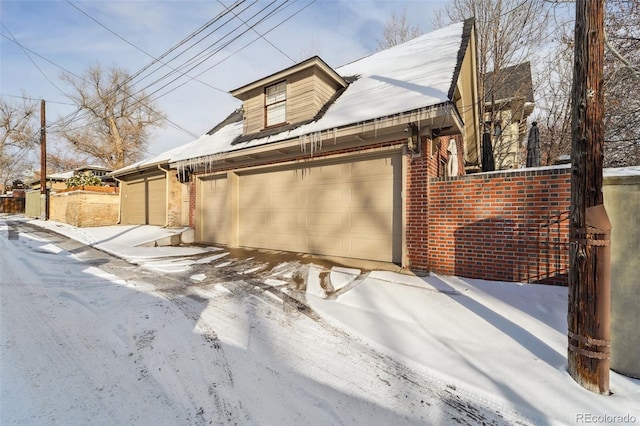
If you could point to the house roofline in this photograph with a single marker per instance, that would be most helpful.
(353, 130)
(467, 31)
(125, 172)
(279, 75)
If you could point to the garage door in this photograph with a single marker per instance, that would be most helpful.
(350, 208)
(144, 201)
(212, 210)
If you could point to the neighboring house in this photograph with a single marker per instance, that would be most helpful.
(36, 207)
(324, 161)
(54, 181)
(58, 181)
(508, 101)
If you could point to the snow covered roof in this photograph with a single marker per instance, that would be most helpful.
(621, 171)
(410, 77)
(61, 176)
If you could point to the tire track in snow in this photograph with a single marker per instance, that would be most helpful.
(114, 324)
(226, 409)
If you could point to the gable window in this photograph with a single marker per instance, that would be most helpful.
(275, 104)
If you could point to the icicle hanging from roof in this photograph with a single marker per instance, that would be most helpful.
(302, 143)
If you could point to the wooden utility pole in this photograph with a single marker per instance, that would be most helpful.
(43, 158)
(589, 228)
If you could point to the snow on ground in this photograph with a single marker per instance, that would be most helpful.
(503, 344)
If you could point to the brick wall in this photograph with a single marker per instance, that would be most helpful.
(504, 226)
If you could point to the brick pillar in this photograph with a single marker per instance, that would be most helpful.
(417, 208)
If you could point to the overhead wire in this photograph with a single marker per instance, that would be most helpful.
(128, 42)
(261, 35)
(29, 57)
(31, 99)
(66, 121)
(73, 116)
(198, 56)
(256, 39)
(194, 61)
(192, 64)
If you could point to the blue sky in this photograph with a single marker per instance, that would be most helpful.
(338, 31)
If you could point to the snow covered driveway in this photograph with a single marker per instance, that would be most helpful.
(89, 339)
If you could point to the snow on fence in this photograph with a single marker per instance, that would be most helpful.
(105, 189)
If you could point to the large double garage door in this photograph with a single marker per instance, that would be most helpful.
(349, 207)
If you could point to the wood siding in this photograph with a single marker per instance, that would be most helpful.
(308, 91)
(254, 112)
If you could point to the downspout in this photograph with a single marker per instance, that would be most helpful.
(120, 205)
(167, 195)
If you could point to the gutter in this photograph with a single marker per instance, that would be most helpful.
(119, 222)
(371, 126)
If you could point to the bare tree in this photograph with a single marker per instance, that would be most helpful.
(18, 136)
(622, 83)
(114, 121)
(553, 94)
(509, 32)
(398, 30)
(60, 159)
(309, 50)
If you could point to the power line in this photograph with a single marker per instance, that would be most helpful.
(190, 61)
(131, 44)
(256, 39)
(197, 59)
(73, 116)
(261, 35)
(30, 59)
(217, 50)
(29, 98)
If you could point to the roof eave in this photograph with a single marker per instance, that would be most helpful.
(367, 132)
(280, 75)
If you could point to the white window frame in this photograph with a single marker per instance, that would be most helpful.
(275, 104)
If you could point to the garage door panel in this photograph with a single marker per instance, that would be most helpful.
(251, 196)
(349, 208)
(328, 245)
(255, 239)
(255, 219)
(372, 248)
(325, 222)
(212, 210)
(363, 223)
(364, 169)
(134, 209)
(288, 241)
(144, 201)
(286, 219)
(286, 198)
(325, 195)
(157, 201)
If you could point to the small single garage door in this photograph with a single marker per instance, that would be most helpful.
(144, 201)
(212, 210)
(346, 208)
